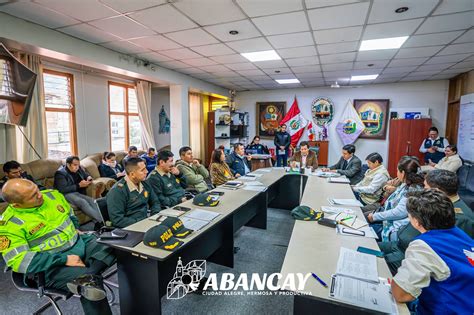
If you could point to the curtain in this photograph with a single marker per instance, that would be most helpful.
(13, 145)
(196, 125)
(35, 129)
(144, 112)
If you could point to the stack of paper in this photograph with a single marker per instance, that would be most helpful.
(357, 265)
(336, 210)
(339, 180)
(172, 212)
(345, 202)
(264, 170)
(232, 184)
(198, 218)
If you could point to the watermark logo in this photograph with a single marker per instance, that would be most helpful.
(186, 278)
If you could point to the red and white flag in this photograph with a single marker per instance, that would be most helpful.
(311, 132)
(295, 123)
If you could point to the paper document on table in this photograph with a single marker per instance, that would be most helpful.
(254, 183)
(365, 231)
(357, 265)
(339, 180)
(194, 224)
(247, 178)
(201, 214)
(369, 295)
(255, 188)
(326, 174)
(336, 210)
(345, 202)
(278, 168)
(264, 170)
(172, 212)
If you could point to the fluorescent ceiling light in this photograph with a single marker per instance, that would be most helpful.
(383, 43)
(288, 81)
(261, 55)
(364, 77)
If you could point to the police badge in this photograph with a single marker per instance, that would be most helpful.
(4, 242)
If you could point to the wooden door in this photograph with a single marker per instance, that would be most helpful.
(418, 133)
(398, 144)
(452, 122)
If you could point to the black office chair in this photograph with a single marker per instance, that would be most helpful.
(38, 286)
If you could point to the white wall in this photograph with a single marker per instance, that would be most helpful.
(159, 97)
(432, 94)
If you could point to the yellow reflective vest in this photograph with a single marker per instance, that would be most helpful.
(33, 240)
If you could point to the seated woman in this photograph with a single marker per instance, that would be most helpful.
(451, 162)
(255, 147)
(394, 214)
(220, 171)
(110, 168)
(370, 189)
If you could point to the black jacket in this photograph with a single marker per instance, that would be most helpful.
(236, 164)
(353, 170)
(107, 171)
(65, 183)
(282, 139)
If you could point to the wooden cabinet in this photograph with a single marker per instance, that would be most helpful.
(323, 151)
(405, 138)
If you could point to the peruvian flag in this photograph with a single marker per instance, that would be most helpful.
(295, 123)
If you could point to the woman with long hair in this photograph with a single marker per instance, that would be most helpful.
(394, 213)
(255, 147)
(220, 171)
(109, 166)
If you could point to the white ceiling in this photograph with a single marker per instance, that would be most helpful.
(318, 40)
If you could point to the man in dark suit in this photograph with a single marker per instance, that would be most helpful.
(348, 165)
(72, 181)
(305, 157)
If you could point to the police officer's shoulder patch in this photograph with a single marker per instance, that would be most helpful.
(4, 242)
(60, 208)
(36, 228)
(458, 210)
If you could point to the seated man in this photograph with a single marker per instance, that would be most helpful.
(305, 157)
(239, 163)
(370, 189)
(72, 181)
(150, 159)
(167, 181)
(39, 233)
(12, 169)
(348, 165)
(438, 268)
(195, 173)
(448, 183)
(132, 153)
(130, 198)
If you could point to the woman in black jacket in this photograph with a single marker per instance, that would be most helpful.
(110, 168)
(282, 142)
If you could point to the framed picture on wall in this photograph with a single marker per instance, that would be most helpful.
(269, 115)
(374, 115)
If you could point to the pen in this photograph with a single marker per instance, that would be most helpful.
(319, 280)
(348, 218)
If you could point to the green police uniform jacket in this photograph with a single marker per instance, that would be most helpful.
(126, 207)
(169, 188)
(36, 239)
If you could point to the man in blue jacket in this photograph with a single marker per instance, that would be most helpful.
(239, 163)
(438, 268)
(72, 181)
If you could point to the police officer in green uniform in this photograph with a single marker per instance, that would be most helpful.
(129, 200)
(38, 233)
(167, 181)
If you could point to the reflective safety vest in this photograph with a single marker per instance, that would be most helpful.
(25, 232)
